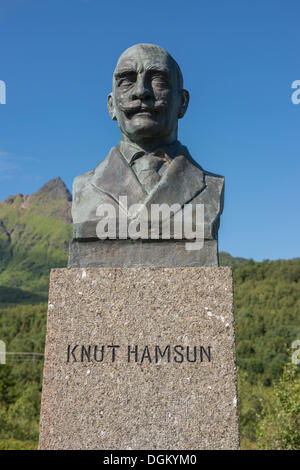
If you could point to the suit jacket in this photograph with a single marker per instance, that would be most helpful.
(183, 182)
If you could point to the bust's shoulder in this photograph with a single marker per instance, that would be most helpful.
(214, 178)
(207, 174)
(215, 185)
(81, 181)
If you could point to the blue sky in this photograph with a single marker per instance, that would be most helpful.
(239, 59)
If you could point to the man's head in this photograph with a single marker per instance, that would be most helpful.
(147, 98)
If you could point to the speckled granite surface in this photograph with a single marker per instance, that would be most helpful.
(140, 358)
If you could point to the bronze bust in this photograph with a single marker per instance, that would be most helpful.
(149, 165)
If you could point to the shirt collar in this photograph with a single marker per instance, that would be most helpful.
(129, 150)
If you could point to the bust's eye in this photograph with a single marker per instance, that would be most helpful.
(160, 80)
(126, 80)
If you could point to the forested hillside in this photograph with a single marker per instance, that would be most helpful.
(267, 318)
(34, 235)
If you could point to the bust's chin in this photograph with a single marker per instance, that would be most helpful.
(143, 130)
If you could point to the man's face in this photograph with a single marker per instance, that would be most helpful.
(146, 96)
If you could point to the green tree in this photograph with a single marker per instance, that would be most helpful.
(7, 385)
(279, 426)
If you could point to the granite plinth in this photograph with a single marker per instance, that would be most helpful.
(140, 358)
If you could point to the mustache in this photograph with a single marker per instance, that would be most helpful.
(138, 106)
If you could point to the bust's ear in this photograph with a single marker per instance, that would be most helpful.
(111, 107)
(185, 98)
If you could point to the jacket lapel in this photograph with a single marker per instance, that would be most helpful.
(181, 182)
(115, 178)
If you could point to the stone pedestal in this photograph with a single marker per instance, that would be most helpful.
(147, 253)
(140, 358)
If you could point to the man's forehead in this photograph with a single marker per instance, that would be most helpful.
(148, 58)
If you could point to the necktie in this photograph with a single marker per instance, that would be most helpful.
(149, 168)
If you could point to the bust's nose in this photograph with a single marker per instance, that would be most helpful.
(141, 89)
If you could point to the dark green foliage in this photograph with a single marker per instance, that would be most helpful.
(8, 392)
(22, 328)
(13, 295)
(267, 312)
(250, 397)
(279, 421)
(14, 444)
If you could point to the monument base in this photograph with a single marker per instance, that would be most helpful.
(140, 358)
(149, 253)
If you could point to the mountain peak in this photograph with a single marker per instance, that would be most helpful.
(54, 189)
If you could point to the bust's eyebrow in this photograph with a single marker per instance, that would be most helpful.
(121, 72)
(157, 68)
(163, 71)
